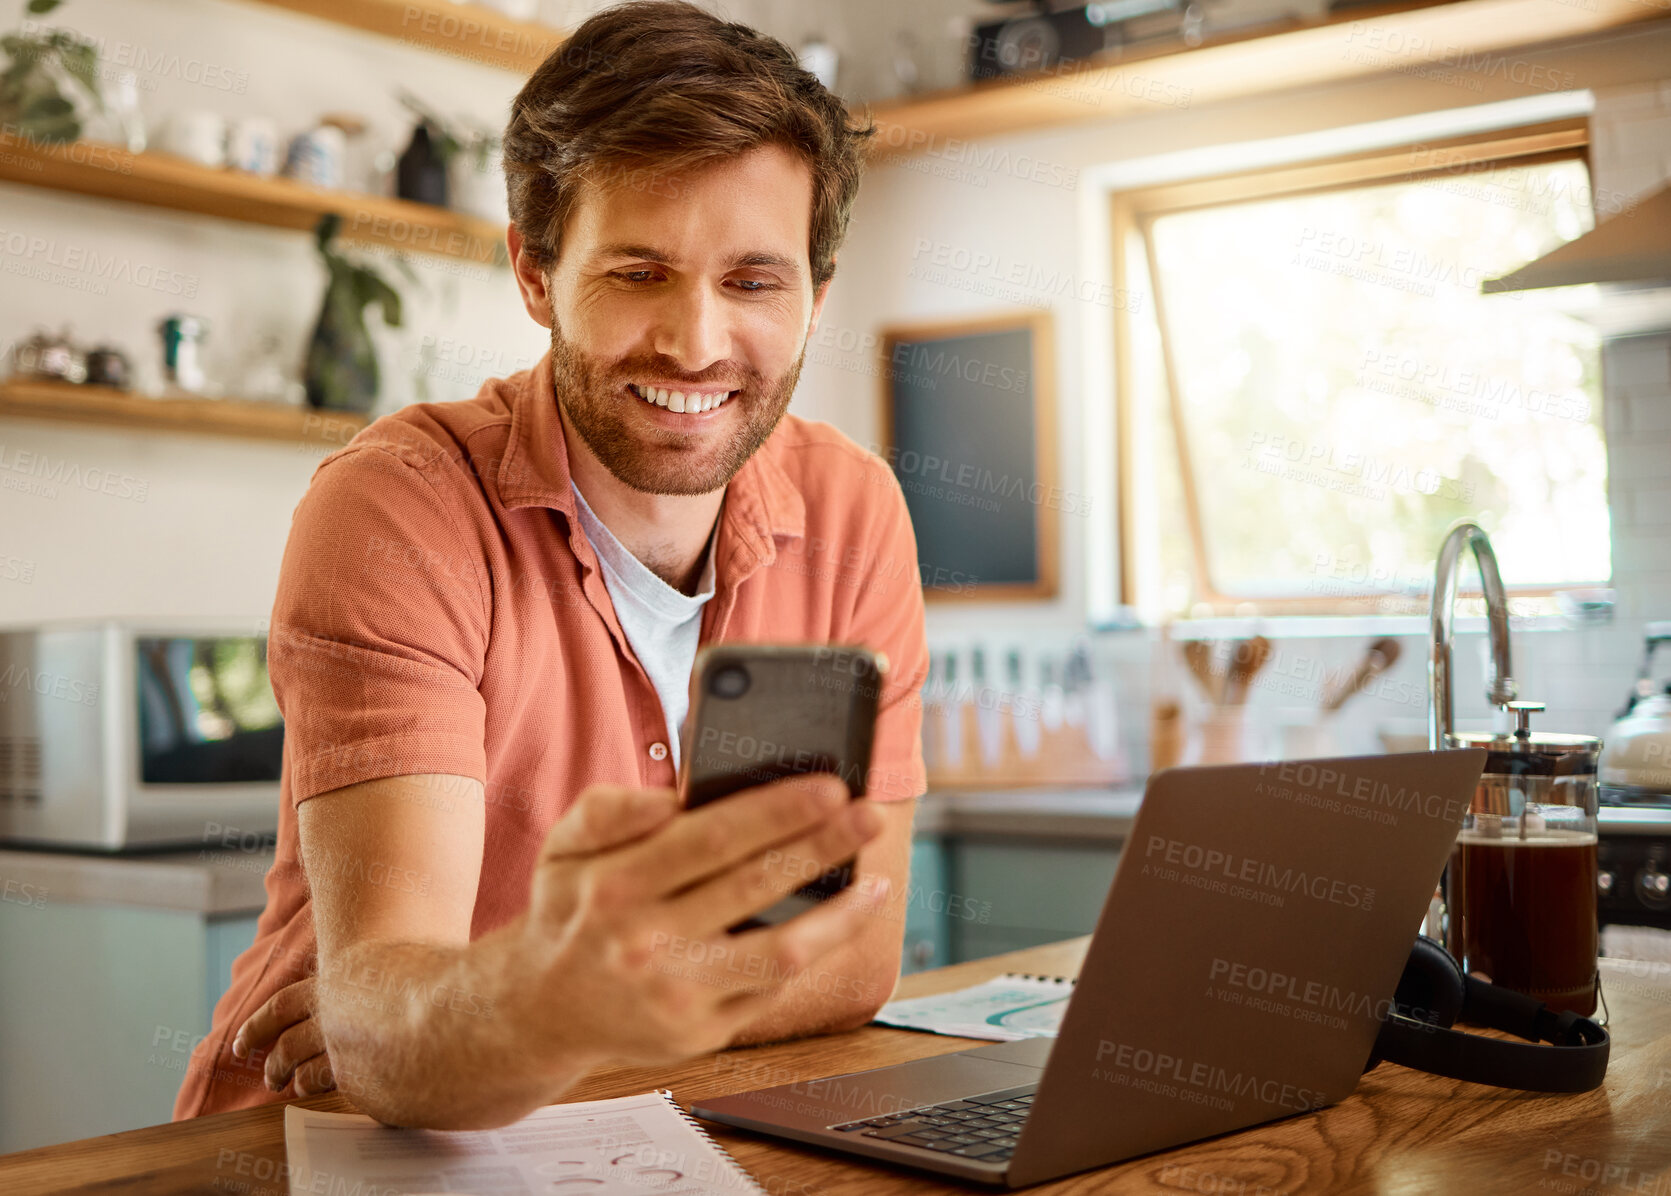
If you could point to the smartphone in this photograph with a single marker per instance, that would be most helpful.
(761, 712)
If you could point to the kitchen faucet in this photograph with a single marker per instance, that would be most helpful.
(1500, 682)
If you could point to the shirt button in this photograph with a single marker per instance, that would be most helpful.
(658, 751)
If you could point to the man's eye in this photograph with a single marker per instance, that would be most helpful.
(753, 286)
(634, 275)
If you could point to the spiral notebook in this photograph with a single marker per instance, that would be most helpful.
(630, 1144)
(1011, 1007)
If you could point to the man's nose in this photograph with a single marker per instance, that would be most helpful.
(694, 329)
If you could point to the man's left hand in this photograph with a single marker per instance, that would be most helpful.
(285, 1029)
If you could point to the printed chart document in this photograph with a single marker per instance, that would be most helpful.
(1012, 1007)
(628, 1146)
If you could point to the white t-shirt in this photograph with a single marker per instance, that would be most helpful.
(662, 624)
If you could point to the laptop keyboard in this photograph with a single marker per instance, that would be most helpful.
(976, 1127)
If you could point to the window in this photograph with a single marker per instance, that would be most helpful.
(1318, 388)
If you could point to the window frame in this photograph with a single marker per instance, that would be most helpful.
(1132, 215)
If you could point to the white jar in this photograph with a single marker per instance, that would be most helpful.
(252, 146)
(197, 135)
(478, 192)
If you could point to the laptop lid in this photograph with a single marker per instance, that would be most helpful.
(1258, 922)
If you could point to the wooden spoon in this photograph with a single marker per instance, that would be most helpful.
(1380, 656)
(1198, 654)
(1249, 657)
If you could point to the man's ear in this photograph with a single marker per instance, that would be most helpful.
(531, 278)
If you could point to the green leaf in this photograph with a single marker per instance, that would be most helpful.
(48, 107)
(325, 232)
(41, 7)
(50, 130)
(369, 288)
(82, 62)
(391, 307)
(25, 54)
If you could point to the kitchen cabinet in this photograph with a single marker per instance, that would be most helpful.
(927, 939)
(1018, 894)
(1009, 870)
(107, 982)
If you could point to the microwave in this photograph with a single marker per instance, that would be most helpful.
(122, 735)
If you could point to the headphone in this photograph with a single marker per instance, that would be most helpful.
(1434, 994)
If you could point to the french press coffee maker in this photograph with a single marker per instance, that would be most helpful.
(1520, 890)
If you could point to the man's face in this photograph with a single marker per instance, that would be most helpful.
(698, 284)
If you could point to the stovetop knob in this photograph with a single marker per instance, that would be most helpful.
(1653, 887)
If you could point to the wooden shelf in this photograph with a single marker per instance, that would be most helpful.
(221, 417)
(1455, 38)
(164, 181)
(463, 30)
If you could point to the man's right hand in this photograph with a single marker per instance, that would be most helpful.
(621, 956)
(626, 929)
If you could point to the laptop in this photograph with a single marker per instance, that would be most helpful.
(1257, 925)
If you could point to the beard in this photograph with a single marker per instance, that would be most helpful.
(594, 396)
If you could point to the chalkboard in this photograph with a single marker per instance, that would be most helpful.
(969, 428)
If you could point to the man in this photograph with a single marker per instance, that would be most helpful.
(485, 620)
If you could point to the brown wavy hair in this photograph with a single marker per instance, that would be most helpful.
(649, 88)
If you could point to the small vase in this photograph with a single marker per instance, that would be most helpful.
(421, 175)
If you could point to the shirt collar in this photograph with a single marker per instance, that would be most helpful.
(761, 503)
(645, 585)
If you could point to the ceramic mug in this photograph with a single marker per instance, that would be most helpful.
(318, 157)
(252, 146)
(197, 135)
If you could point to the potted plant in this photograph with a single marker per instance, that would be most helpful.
(341, 372)
(43, 65)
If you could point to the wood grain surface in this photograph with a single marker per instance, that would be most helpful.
(159, 180)
(65, 401)
(1464, 37)
(1400, 1134)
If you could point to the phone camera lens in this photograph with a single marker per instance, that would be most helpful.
(729, 682)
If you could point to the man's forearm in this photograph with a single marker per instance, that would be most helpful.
(425, 1035)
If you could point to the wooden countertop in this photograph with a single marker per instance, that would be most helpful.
(1106, 815)
(204, 881)
(1401, 1132)
(1082, 815)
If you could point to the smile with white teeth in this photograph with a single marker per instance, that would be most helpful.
(678, 400)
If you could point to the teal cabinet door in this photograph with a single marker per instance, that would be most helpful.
(100, 1009)
(1017, 894)
(926, 941)
(229, 937)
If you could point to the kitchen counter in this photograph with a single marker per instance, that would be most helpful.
(1107, 814)
(202, 881)
(1400, 1131)
(1082, 815)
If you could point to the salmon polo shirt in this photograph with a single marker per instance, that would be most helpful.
(440, 610)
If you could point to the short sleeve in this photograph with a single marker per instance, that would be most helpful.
(888, 618)
(379, 629)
